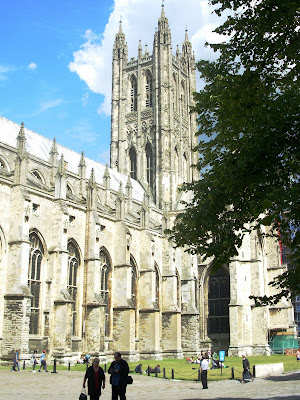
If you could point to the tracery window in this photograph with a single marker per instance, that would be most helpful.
(178, 288)
(133, 281)
(149, 165)
(105, 287)
(148, 89)
(183, 99)
(133, 167)
(218, 302)
(157, 285)
(174, 90)
(34, 281)
(133, 94)
(38, 176)
(73, 264)
(3, 164)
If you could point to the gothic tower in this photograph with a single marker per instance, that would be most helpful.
(152, 130)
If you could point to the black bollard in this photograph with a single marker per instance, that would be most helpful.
(24, 364)
(199, 374)
(105, 367)
(54, 367)
(232, 373)
(69, 366)
(164, 372)
(172, 373)
(148, 370)
(253, 371)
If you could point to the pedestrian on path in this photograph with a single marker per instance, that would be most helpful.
(247, 376)
(33, 361)
(204, 368)
(43, 362)
(96, 379)
(119, 372)
(16, 361)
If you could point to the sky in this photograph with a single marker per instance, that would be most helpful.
(56, 57)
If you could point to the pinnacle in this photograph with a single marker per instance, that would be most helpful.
(54, 147)
(106, 172)
(82, 160)
(21, 134)
(186, 39)
(92, 180)
(120, 25)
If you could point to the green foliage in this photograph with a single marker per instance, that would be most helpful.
(248, 116)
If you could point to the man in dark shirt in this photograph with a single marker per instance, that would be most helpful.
(119, 371)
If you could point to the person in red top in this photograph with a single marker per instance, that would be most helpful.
(96, 380)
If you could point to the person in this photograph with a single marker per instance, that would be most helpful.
(43, 362)
(298, 355)
(16, 361)
(138, 369)
(209, 356)
(204, 368)
(33, 361)
(246, 370)
(119, 372)
(96, 379)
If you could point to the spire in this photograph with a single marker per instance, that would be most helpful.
(106, 172)
(120, 25)
(92, 180)
(54, 147)
(21, 141)
(163, 15)
(186, 39)
(82, 162)
(106, 178)
(61, 166)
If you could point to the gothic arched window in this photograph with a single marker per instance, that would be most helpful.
(133, 94)
(178, 288)
(149, 165)
(38, 176)
(148, 89)
(73, 265)
(183, 99)
(157, 285)
(105, 287)
(174, 90)
(218, 301)
(185, 171)
(133, 287)
(34, 281)
(176, 165)
(133, 167)
(4, 164)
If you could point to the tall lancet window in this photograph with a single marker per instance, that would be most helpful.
(74, 261)
(149, 165)
(148, 89)
(133, 94)
(174, 91)
(34, 281)
(157, 285)
(176, 165)
(183, 99)
(133, 164)
(106, 287)
(184, 168)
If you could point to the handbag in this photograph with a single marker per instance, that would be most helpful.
(83, 395)
(129, 380)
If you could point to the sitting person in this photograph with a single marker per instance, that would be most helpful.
(153, 370)
(138, 369)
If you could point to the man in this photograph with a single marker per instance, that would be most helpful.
(119, 371)
(138, 369)
(204, 368)
(43, 362)
(96, 379)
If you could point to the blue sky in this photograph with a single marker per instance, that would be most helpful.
(55, 64)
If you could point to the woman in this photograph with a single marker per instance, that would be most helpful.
(43, 362)
(246, 372)
(96, 378)
(33, 361)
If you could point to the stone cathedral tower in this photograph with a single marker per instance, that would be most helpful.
(152, 130)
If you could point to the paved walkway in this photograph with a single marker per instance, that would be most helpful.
(66, 385)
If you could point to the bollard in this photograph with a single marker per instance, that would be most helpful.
(199, 374)
(253, 371)
(69, 366)
(156, 372)
(148, 370)
(24, 364)
(105, 367)
(172, 373)
(232, 373)
(54, 367)
(164, 372)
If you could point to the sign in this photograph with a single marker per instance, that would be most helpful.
(222, 356)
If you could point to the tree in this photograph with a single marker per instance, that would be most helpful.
(248, 116)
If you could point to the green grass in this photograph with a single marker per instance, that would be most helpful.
(185, 371)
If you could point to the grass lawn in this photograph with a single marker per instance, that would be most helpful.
(185, 371)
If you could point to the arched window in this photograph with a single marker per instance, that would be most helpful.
(133, 287)
(157, 285)
(148, 89)
(105, 287)
(132, 158)
(34, 281)
(183, 99)
(178, 288)
(70, 189)
(218, 301)
(184, 168)
(133, 94)
(73, 264)
(176, 165)
(38, 176)
(174, 90)
(149, 165)
(3, 164)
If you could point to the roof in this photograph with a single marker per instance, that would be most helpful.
(40, 146)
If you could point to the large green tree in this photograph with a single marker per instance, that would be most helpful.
(248, 116)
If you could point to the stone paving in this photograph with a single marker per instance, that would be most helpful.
(66, 385)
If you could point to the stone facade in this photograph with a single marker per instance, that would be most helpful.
(84, 262)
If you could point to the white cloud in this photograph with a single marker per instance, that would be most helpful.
(46, 105)
(4, 71)
(92, 62)
(32, 66)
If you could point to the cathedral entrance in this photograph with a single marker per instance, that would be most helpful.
(218, 309)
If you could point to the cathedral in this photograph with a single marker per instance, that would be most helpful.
(85, 264)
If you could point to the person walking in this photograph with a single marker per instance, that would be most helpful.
(96, 379)
(43, 362)
(16, 361)
(204, 368)
(33, 361)
(247, 376)
(119, 372)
